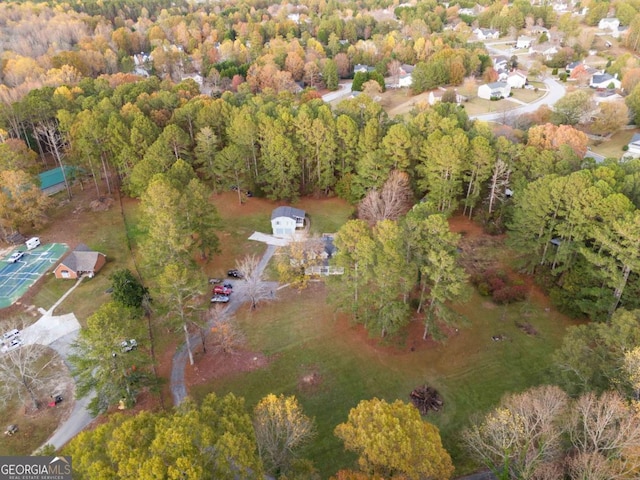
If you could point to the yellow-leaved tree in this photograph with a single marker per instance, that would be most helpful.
(393, 440)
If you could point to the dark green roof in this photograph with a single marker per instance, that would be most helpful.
(54, 177)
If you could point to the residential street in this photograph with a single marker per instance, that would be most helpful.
(555, 91)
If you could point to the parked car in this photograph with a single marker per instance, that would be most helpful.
(222, 290)
(215, 281)
(128, 345)
(14, 343)
(15, 256)
(228, 285)
(220, 299)
(10, 334)
(235, 273)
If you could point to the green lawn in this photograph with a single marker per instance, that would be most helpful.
(526, 95)
(613, 147)
(301, 334)
(479, 106)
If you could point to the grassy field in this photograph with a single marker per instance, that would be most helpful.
(302, 334)
(613, 146)
(478, 106)
(526, 95)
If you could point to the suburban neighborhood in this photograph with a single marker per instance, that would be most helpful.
(367, 240)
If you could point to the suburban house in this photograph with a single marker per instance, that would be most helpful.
(538, 30)
(573, 65)
(546, 50)
(486, 33)
(360, 68)
(610, 23)
(633, 147)
(516, 79)
(435, 96)
(285, 220)
(604, 80)
(524, 42)
(405, 80)
(494, 90)
(500, 62)
(82, 261)
(52, 181)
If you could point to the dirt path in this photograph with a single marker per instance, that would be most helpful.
(177, 382)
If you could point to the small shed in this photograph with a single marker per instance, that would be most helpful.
(52, 181)
(285, 220)
(82, 261)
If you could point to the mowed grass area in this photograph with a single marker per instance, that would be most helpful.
(103, 231)
(302, 334)
(613, 147)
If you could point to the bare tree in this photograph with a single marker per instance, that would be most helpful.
(392, 201)
(226, 335)
(48, 131)
(254, 287)
(25, 371)
(395, 70)
(281, 428)
(521, 438)
(499, 183)
(605, 429)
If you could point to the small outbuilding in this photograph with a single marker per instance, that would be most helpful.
(82, 261)
(285, 220)
(494, 90)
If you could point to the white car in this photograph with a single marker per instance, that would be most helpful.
(11, 344)
(10, 334)
(128, 345)
(15, 256)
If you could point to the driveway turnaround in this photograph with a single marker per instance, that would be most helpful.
(16, 278)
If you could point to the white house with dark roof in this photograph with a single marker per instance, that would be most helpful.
(494, 90)
(604, 80)
(285, 220)
(486, 33)
(609, 23)
(500, 62)
(516, 79)
(633, 147)
(524, 42)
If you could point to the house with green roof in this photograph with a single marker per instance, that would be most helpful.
(52, 181)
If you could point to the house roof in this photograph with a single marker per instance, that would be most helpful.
(82, 259)
(287, 212)
(518, 74)
(603, 77)
(496, 85)
(53, 177)
(635, 138)
(573, 65)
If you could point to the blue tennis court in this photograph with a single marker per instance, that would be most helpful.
(16, 278)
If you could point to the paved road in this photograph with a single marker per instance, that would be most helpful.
(345, 90)
(178, 389)
(555, 91)
(79, 417)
